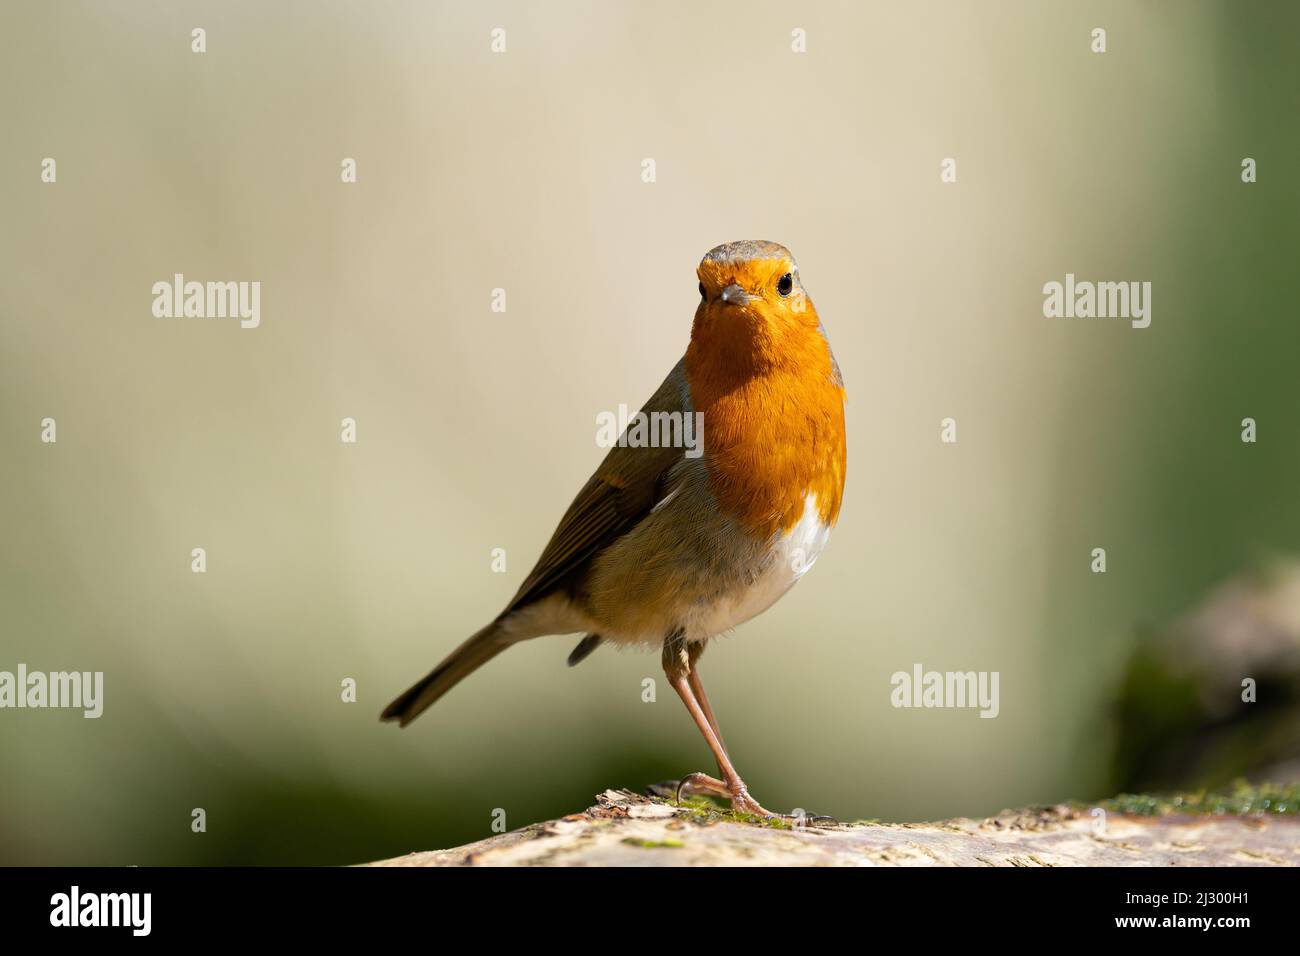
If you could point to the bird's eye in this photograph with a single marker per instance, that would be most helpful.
(702, 290)
(786, 284)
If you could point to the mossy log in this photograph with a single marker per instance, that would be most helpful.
(626, 829)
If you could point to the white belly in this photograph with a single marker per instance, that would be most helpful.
(792, 555)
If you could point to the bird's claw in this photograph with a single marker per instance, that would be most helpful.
(738, 797)
(703, 783)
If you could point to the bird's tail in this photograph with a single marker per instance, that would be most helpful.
(455, 667)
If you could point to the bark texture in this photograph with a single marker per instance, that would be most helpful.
(626, 829)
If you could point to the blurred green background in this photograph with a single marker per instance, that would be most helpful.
(522, 171)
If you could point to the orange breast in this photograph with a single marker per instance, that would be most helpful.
(773, 422)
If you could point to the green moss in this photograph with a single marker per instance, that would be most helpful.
(1241, 799)
(704, 810)
(654, 844)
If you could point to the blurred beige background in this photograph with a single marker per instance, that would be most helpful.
(522, 171)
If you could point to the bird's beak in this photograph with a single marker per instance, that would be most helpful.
(735, 295)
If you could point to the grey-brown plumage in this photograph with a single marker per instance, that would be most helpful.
(624, 489)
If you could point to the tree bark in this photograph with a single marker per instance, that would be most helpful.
(626, 829)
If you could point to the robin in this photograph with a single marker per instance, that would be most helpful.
(668, 549)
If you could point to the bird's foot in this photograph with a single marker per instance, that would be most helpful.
(738, 795)
(742, 802)
(701, 783)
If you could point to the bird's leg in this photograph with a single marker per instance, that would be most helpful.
(677, 660)
(697, 688)
(702, 781)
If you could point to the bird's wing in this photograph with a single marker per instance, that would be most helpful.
(626, 486)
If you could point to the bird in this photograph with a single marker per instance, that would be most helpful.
(665, 548)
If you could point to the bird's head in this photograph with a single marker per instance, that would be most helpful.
(753, 311)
